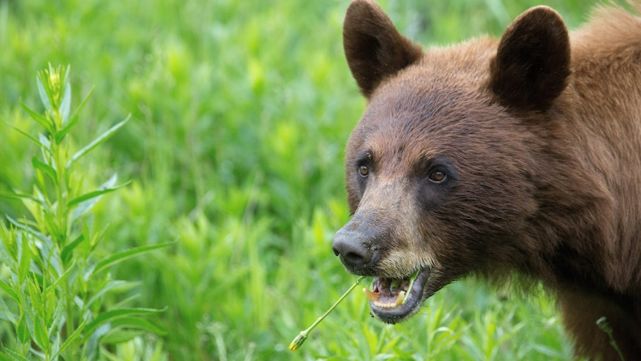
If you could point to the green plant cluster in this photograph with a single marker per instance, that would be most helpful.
(54, 282)
(234, 151)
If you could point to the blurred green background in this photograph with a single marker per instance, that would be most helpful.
(240, 112)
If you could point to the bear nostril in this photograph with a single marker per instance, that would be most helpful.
(351, 249)
(354, 258)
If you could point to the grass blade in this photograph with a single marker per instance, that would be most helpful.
(114, 285)
(112, 315)
(139, 324)
(86, 205)
(96, 142)
(121, 256)
(87, 196)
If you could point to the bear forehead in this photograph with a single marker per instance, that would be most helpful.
(447, 85)
(407, 124)
(424, 106)
(440, 105)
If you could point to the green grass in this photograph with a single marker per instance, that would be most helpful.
(239, 114)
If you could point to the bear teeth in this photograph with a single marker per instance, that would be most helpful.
(387, 292)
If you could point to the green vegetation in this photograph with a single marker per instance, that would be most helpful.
(55, 287)
(239, 114)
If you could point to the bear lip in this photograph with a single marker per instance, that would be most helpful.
(393, 313)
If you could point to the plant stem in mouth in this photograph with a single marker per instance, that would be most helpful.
(302, 336)
(409, 289)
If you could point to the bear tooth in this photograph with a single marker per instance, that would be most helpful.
(383, 305)
(400, 299)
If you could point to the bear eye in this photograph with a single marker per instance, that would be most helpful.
(363, 170)
(437, 176)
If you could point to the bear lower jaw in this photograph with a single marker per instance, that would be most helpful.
(393, 301)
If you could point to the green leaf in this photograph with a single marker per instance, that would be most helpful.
(139, 324)
(50, 253)
(123, 255)
(42, 120)
(40, 335)
(9, 291)
(62, 278)
(91, 345)
(71, 339)
(118, 336)
(28, 136)
(74, 119)
(45, 168)
(65, 104)
(24, 258)
(124, 329)
(18, 196)
(45, 142)
(10, 355)
(101, 139)
(36, 300)
(22, 331)
(44, 96)
(114, 285)
(7, 314)
(94, 194)
(112, 315)
(86, 205)
(67, 251)
(28, 229)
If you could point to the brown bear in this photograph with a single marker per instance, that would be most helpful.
(513, 156)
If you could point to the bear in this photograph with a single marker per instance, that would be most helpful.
(494, 157)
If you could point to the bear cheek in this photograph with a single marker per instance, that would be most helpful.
(429, 198)
(443, 236)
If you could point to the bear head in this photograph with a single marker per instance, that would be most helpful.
(443, 169)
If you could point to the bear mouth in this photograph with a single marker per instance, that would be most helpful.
(394, 299)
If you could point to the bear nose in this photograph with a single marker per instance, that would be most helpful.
(351, 249)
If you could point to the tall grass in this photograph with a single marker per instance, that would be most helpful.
(239, 114)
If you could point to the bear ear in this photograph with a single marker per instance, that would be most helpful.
(532, 64)
(373, 47)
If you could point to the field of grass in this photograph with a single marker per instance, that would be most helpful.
(239, 114)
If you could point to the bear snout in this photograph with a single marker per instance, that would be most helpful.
(353, 244)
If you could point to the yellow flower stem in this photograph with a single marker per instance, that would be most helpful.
(302, 336)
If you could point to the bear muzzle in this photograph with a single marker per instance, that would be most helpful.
(355, 243)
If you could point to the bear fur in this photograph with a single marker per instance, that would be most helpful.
(494, 156)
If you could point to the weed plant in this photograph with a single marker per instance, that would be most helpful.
(55, 280)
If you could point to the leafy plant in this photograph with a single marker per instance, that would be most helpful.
(53, 272)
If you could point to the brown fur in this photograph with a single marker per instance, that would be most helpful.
(542, 131)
